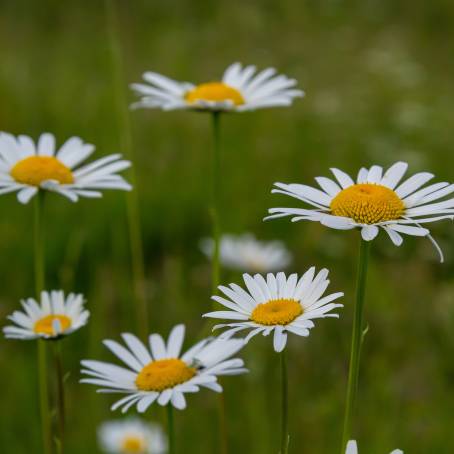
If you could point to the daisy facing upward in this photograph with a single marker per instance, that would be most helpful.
(26, 168)
(375, 201)
(161, 373)
(240, 89)
(277, 305)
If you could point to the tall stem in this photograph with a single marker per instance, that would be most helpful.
(133, 209)
(215, 263)
(60, 395)
(357, 334)
(39, 271)
(215, 201)
(285, 437)
(170, 429)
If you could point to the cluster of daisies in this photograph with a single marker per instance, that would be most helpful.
(268, 301)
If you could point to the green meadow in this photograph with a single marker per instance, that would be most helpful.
(379, 83)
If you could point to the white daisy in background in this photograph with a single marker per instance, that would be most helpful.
(246, 253)
(54, 317)
(239, 89)
(280, 304)
(376, 200)
(26, 167)
(132, 436)
(160, 374)
(352, 448)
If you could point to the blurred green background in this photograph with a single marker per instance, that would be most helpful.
(379, 80)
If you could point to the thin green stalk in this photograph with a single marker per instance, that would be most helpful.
(133, 210)
(60, 396)
(215, 201)
(170, 429)
(355, 351)
(39, 271)
(285, 437)
(215, 261)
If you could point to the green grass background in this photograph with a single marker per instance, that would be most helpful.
(379, 81)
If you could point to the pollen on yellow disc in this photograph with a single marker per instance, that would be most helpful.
(215, 92)
(36, 169)
(368, 204)
(45, 325)
(133, 445)
(163, 374)
(277, 312)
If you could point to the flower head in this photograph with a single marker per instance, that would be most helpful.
(246, 253)
(280, 304)
(55, 316)
(26, 167)
(376, 200)
(240, 89)
(161, 374)
(132, 436)
(352, 448)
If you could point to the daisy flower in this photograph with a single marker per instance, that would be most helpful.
(160, 373)
(26, 167)
(246, 253)
(278, 304)
(55, 316)
(377, 200)
(241, 88)
(132, 436)
(352, 448)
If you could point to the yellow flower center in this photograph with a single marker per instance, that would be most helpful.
(133, 445)
(163, 374)
(47, 324)
(277, 312)
(368, 204)
(36, 169)
(215, 92)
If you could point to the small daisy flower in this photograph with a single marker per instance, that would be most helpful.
(56, 316)
(246, 253)
(352, 448)
(132, 436)
(240, 89)
(375, 201)
(161, 374)
(26, 167)
(280, 304)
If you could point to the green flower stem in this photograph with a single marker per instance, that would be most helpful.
(355, 351)
(60, 395)
(215, 201)
(39, 271)
(285, 437)
(170, 429)
(215, 263)
(142, 303)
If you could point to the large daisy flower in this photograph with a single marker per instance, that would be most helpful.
(280, 304)
(55, 316)
(376, 200)
(239, 89)
(352, 448)
(246, 253)
(161, 374)
(132, 436)
(26, 167)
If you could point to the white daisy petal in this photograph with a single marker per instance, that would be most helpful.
(375, 201)
(163, 377)
(49, 318)
(240, 89)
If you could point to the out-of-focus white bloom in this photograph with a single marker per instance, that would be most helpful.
(239, 90)
(131, 436)
(246, 253)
